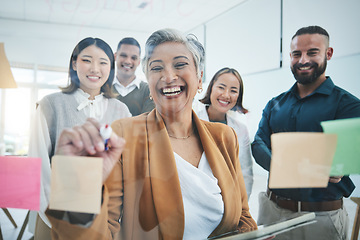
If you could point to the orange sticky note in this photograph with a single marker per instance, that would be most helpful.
(76, 184)
(20, 182)
(301, 159)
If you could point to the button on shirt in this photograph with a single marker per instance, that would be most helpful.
(290, 113)
(122, 90)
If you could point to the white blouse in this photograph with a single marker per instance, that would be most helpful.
(92, 108)
(202, 199)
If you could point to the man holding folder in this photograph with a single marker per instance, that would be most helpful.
(312, 99)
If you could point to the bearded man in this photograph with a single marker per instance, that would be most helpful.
(312, 99)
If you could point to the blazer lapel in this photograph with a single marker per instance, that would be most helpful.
(165, 185)
(222, 168)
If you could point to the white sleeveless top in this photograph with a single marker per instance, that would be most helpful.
(202, 199)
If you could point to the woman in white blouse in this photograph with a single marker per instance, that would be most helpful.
(89, 95)
(225, 94)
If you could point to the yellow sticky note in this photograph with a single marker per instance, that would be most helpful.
(301, 159)
(76, 184)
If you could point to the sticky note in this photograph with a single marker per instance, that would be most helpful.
(347, 155)
(301, 159)
(76, 184)
(20, 182)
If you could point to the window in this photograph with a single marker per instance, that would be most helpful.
(17, 120)
(18, 104)
(53, 78)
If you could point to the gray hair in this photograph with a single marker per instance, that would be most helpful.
(172, 35)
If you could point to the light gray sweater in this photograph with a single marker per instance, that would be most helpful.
(60, 111)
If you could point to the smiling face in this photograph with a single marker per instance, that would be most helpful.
(127, 60)
(172, 78)
(93, 69)
(309, 55)
(225, 93)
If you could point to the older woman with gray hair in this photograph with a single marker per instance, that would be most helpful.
(177, 177)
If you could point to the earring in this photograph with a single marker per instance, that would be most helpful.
(150, 97)
(200, 90)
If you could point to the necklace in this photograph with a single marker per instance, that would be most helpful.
(186, 137)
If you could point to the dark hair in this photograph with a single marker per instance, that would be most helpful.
(129, 41)
(312, 30)
(238, 105)
(73, 77)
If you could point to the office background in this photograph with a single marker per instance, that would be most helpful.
(252, 36)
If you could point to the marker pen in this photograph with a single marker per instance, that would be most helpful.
(105, 132)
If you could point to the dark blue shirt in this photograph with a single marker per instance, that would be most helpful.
(290, 113)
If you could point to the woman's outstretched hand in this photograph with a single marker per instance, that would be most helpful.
(86, 140)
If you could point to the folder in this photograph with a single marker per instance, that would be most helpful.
(266, 231)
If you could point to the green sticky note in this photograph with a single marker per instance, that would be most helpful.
(347, 155)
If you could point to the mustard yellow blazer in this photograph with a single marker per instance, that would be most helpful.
(142, 197)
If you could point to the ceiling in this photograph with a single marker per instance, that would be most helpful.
(130, 15)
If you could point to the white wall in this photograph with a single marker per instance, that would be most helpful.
(245, 38)
(52, 44)
(340, 18)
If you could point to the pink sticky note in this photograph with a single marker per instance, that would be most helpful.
(20, 182)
